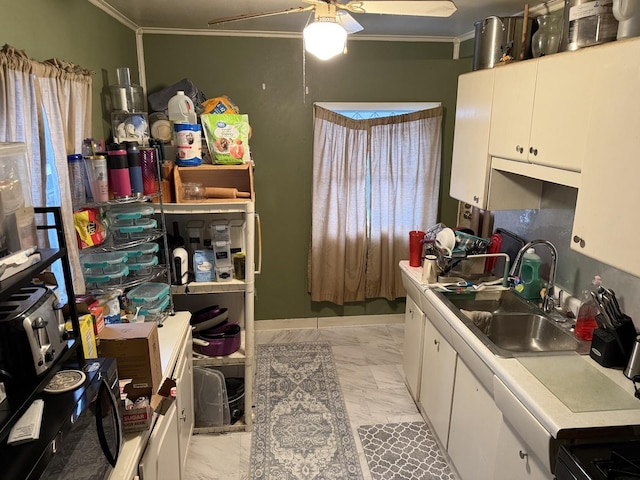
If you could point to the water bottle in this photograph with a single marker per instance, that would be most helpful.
(586, 322)
(76, 180)
(530, 276)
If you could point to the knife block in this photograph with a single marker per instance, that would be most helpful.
(612, 347)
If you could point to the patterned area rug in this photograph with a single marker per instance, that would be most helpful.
(403, 451)
(301, 431)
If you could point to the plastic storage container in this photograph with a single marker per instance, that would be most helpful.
(142, 265)
(15, 195)
(126, 96)
(586, 321)
(102, 260)
(142, 249)
(131, 212)
(148, 293)
(530, 276)
(210, 398)
(111, 276)
(124, 230)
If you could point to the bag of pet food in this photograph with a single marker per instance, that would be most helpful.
(227, 137)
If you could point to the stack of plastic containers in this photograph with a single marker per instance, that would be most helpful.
(132, 222)
(221, 243)
(105, 269)
(149, 299)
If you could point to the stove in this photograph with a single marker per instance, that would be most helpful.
(615, 461)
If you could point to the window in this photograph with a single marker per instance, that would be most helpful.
(374, 180)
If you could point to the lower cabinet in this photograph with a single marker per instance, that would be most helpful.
(515, 459)
(161, 459)
(436, 382)
(474, 429)
(184, 402)
(412, 356)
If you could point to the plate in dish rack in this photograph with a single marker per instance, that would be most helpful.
(65, 381)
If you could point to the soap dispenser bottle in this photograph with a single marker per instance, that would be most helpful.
(586, 322)
(530, 285)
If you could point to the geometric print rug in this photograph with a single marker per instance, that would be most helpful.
(403, 451)
(301, 430)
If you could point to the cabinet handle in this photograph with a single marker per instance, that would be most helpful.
(534, 151)
(523, 455)
(476, 198)
(437, 344)
(579, 240)
(519, 149)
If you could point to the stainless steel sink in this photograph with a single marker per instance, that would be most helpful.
(516, 326)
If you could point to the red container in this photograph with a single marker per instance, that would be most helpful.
(415, 247)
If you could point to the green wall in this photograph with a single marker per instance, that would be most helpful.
(74, 31)
(281, 118)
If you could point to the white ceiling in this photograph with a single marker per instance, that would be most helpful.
(194, 15)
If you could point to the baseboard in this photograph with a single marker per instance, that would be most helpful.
(326, 322)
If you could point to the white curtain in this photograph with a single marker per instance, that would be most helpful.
(373, 181)
(48, 106)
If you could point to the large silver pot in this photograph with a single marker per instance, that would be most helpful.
(494, 36)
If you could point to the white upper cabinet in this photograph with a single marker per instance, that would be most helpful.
(608, 195)
(470, 164)
(541, 107)
(512, 110)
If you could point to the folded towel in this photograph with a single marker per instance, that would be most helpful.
(480, 319)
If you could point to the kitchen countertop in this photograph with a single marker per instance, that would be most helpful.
(170, 335)
(526, 377)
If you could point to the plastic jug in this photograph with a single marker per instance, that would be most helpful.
(530, 275)
(181, 109)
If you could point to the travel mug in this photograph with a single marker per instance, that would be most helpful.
(415, 247)
(633, 367)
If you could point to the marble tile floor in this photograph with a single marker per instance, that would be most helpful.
(369, 363)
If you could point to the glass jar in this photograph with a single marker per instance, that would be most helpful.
(546, 39)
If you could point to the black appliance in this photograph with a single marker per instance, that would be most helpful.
(608, 461)
(32, 336)
(81, 432)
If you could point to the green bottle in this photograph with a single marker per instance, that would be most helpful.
(530, 275)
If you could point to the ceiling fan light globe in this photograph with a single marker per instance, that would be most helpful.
(325, 39)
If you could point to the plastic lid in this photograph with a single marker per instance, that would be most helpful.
(76, 157)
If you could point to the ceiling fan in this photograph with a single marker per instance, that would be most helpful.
(327, 35)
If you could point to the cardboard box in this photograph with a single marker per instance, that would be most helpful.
(223, 176)
(141, 417)
(87, 336)
(136, 348)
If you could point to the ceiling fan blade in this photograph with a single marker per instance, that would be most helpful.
(349, 23)
(417, 8)
(247, 16)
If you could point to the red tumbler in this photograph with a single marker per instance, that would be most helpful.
(415, 247)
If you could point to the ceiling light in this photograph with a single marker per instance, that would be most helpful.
(325, 38)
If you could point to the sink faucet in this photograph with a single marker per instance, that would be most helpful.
(549, 301)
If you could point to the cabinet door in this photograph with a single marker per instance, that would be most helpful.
(609, 195)
(160, 460)
(412, 355)
(514, 459)
(565, 93)
(470, 162)
(184, 402)
(513, 96)
(475, 424)
(436, 382)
